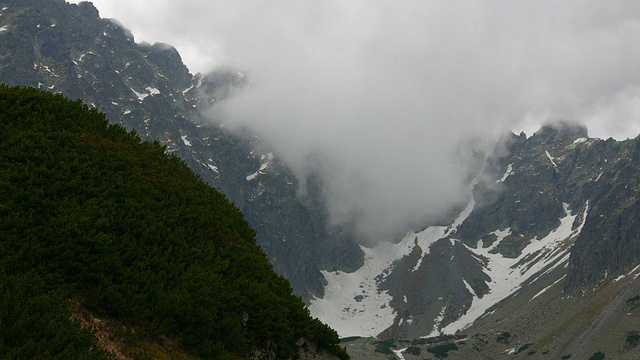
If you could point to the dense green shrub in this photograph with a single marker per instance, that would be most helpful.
(597, 356)
(384, 347)
(135, 235)
(633, 339)
(442, 351)
(503, 337)
(412, 350)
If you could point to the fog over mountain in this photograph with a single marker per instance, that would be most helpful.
(380, 98)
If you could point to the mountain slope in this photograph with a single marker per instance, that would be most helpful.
(556, 200)
(132, 235)
(67, 48)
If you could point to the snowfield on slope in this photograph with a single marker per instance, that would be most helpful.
(507, 275)
(353, 305)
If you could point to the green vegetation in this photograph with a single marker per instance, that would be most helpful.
(412, 350)
(597, 356)
(34, 322)
(385, 346)
(523, 348)
(90, 212)
(503, 338)
(350, 338)
(633, 339)
(442, 351)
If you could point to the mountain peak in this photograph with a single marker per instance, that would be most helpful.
(562, 129)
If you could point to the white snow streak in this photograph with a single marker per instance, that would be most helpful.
(619, 278)
(551, 158)
(508, 275)
(185, 91)
(139, 95)
(398, 353)
(599, 176)
(265, 161)
(634, 270)
(4, 28)
(425, 239)
(507, 173)
(547, 288)
(185, 141)
(214, 168)
(436, 323)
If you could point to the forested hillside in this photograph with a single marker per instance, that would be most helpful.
(69, 48)
(91, 215)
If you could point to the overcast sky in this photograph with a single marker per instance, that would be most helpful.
(378, 95)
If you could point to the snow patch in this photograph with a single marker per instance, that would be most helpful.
(507, 173)
(265, 161)
(214, 168)
(4, 28)
(551, 158)
(425, 239)
(633, 271)
(185, 91)
(139, 95)
(599, 176)
(547, 288)
(353, 305)
(152, 90)
(82, 56)
(185, 141)
(579, 140)
(507, 275)
(398, 353)
(500, 235)
(436, 324)
(510, 351)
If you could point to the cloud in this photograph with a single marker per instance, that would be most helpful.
(378, 96)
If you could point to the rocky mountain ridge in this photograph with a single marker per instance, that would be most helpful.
(546, 251)
(530, 212)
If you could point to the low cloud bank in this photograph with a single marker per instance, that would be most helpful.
(381, 97)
